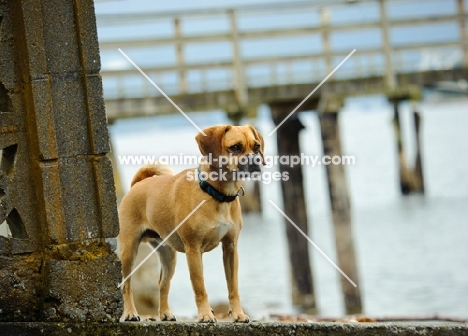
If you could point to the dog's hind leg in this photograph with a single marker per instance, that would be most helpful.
(167, 256)
(128, 250)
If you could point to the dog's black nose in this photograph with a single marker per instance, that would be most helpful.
(250, 164)
(254, 168)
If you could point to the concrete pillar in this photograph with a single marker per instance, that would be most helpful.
(58, 192)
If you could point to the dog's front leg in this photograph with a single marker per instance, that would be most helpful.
(194, 261)
(231, 264)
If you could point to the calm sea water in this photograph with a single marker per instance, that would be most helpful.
(412, 251)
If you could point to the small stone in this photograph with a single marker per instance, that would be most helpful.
(69, 330)
(51, 311)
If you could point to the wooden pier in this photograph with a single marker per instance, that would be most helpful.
(371, 70)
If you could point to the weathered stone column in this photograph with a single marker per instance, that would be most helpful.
(56, 185)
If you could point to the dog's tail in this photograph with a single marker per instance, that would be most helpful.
(149, 171)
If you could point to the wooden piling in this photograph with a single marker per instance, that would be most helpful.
(418, 167)
(251, 201)
(340, 204)
(295, 208)
(404, 172)
(411, 178)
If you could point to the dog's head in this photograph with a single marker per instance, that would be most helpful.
(238, 148)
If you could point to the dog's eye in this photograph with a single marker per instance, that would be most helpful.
(235, 148)
(256, 149)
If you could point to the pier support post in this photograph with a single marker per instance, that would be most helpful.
(403, 170)
(418, 167)
(252, 200)
(56, 185)
(340, 202)
(295, 208)
(411, 178)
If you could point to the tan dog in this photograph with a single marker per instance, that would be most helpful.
(159, 201)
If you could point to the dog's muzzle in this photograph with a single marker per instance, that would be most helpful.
(250, 164)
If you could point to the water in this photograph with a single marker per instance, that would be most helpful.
(411, 251)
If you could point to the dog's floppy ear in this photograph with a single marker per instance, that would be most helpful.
(259, 138)
(213, 141)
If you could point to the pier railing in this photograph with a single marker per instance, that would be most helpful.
(387, 43)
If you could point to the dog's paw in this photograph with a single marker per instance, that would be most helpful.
(130, 317)
(207, 317)
(240, 317)
(167, 316)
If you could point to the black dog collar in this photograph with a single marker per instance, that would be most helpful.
(217, 195)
